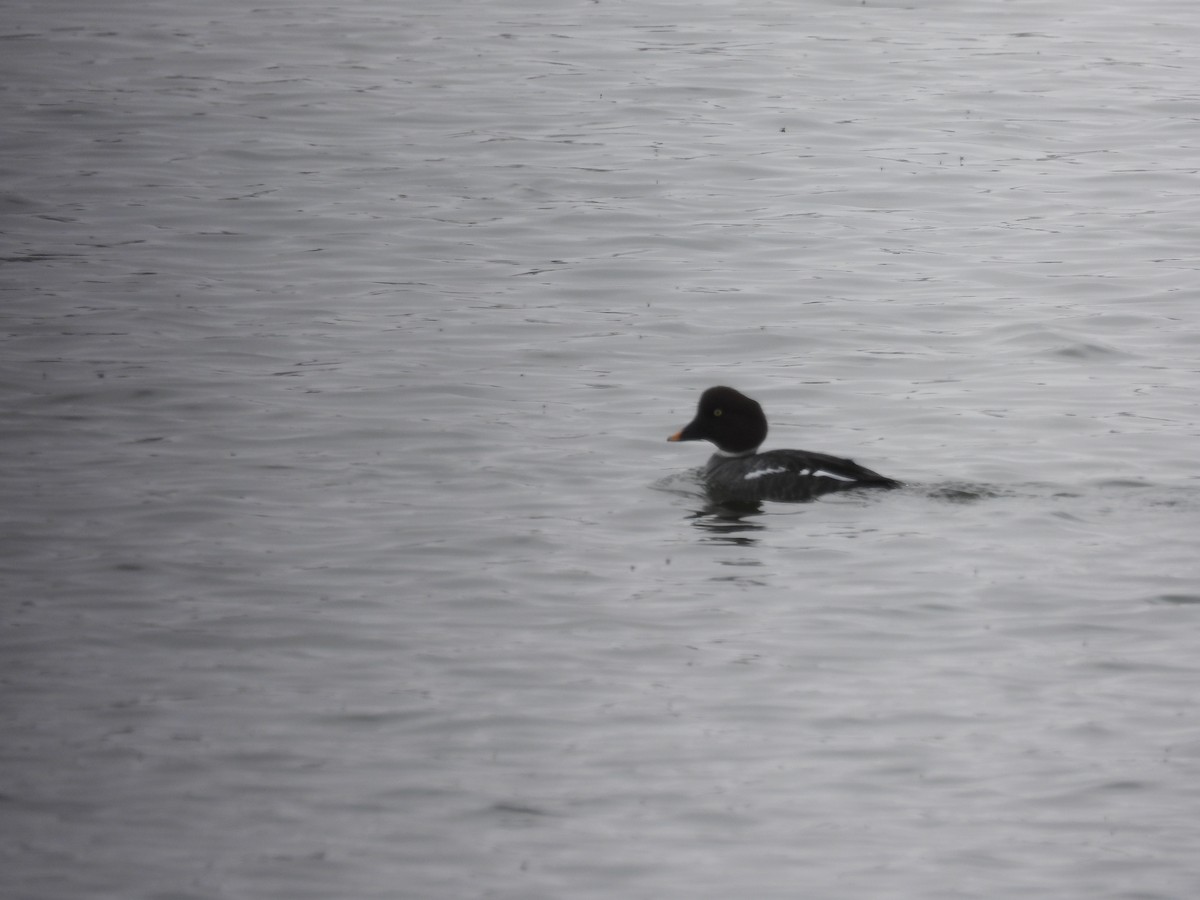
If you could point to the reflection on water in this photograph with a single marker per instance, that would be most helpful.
(731, 533)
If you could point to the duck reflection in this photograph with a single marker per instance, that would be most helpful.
(728, 521)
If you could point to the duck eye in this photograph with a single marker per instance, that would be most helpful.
(716, 412)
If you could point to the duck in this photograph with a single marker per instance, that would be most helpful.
(738, 472)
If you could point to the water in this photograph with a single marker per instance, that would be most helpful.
(343, 551)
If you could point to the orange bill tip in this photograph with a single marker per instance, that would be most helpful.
(677, 436)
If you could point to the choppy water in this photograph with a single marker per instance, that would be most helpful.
(344, 556)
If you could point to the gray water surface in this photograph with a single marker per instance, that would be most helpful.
(343, 554)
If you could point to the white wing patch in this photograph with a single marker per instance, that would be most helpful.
(803, 473)
(759, 473)
(821, 473)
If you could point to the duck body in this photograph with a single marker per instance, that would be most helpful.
(737, 472)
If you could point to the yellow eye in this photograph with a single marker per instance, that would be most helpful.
(716, 412)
